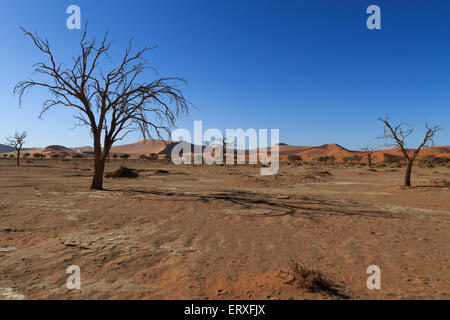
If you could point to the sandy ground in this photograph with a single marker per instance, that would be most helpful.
(212, 232)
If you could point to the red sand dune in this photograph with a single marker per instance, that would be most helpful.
(312, 153)
(141, 147)
(438, 151)
(308, 153)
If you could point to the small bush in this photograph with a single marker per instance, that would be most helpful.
(324, 174)
(354, 160)
(294, 158)
(310, 279)
(357, 158)
(153, 157)
(123, 172)
(327, 159)
(428, 161)
(323, 159)
(442, 160)
(124, 156)
(392, 159)
(78, 156)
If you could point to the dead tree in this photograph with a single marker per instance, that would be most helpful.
(223, 145)
(111, 103)
(17, 142)
(398, 134)
(370, 153)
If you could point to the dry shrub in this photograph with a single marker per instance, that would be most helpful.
(310, 176)
(324, 174)
(314, 176)
(311, 280)
(306, 178)
(123, 172)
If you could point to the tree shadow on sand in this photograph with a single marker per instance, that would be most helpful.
(294, 206)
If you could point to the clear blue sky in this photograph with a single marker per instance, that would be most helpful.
(310, 68)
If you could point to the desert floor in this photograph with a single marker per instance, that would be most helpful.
(220, 232)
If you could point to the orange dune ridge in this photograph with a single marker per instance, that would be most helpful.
(308, 153)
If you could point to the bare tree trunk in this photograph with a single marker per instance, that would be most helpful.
(408, 174)
(97, 180)
(18, 157)
(99, 165)
(370, 161)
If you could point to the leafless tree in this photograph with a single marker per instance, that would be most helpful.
(398, 135)
(223, 145)
(111, 103)
(370, 153)
(17, 142)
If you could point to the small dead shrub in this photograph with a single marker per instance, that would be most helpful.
(315, 176)
(311, 280)
(123, 172)
(324, 174)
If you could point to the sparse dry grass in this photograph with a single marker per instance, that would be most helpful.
(312, 280)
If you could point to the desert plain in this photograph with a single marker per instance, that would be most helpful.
(221, 232)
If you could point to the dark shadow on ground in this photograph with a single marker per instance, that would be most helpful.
(294, 206)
